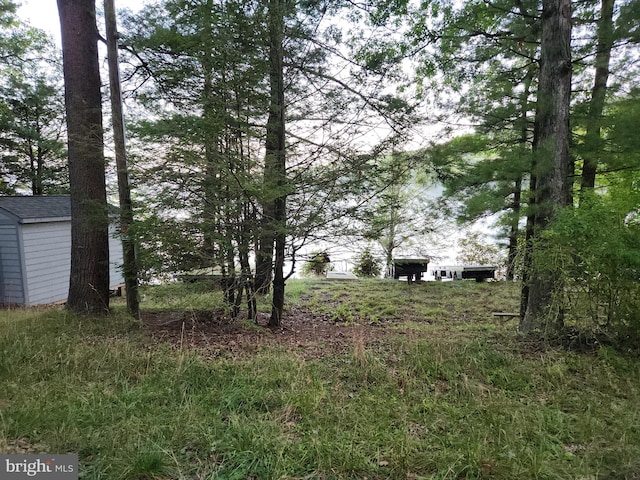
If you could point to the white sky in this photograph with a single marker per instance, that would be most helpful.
(43, 14)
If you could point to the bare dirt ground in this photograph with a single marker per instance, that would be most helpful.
(308, 334)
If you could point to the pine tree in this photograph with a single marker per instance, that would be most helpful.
(32, 157)
(89, 278)
(218, 80)
(551, 156)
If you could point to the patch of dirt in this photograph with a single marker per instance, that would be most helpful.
(22, 446)
(213, 334)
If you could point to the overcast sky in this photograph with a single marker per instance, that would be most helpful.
(44, 13)
(41, 14)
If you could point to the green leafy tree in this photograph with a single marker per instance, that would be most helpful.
(550, 184)
(623, 144)
(612, 46)
(491, 53)
(494, 58)
(327, 117)
(477, 249)
(129, 267)
(482, 180)
(12, 44)
(485, 55)
(275, 165)
(593, 251)
(398, 213)
(208, 61)
(602, 64)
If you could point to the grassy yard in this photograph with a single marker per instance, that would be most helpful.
(374, 379)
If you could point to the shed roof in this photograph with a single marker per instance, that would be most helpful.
(37, 209)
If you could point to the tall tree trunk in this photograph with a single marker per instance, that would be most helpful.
(593, 140)
(514, 230)
(275, 161)
(528, 245)
(551, 152)
(516, 206)
(388, 260)
(245, 267)
(130, 267)
(89, 281)
(212, 184)
(40, 171)
(36, 186)
(246, 219)
(264, 249)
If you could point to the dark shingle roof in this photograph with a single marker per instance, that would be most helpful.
(27, 209)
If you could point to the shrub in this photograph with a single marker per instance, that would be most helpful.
(366, 265)
(318, 264)
(594, 252)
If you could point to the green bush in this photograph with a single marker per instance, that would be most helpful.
(318, 264)
(594, 251)
(366, 265)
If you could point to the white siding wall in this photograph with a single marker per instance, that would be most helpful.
(11, 290)
(47, 253)
(115, 258)
(47, 256)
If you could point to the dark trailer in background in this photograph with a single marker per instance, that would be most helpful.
(479, 273)
(411, 268)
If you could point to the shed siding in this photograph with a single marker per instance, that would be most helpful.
(47, 250)
(11, 288)
(47, 254)
(37, 272)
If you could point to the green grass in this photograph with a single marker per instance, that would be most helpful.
(197, 295)
(448, 394)
(443, 304)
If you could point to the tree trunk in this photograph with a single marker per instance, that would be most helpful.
(264, 250)
(516, 206)
(388, 260)
(130, 268)
(36, 156)
(245, 267)
(275, 162)
(551, 154)
(39, 171)
(89, 281)
(212, 185)
(593, 139)
(514, 230)
(278, 277)
(234, 296)
(528, 246)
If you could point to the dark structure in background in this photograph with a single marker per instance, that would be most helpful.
(479, 273)
(412, 268)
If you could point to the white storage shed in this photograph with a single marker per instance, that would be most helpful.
(35, 250)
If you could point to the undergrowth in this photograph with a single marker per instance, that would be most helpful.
(446, 399)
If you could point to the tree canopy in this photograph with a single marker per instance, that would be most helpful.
(32, 138)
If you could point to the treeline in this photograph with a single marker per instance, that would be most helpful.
(257, 127)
